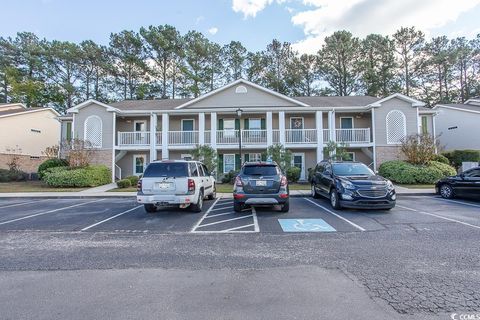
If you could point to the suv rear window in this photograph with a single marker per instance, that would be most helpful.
(166, 169)
(260, 170)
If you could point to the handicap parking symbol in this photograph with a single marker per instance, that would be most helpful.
(305, 225)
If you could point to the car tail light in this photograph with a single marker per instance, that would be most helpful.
(139, 185)
(191, 185)
(238, 182)
(283, 181)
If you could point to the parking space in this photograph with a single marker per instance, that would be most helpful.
(124, 215)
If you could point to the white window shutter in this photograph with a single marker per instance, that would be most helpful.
(93, 131)
(396, 127)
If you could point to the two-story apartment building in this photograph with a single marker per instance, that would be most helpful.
(130, 134)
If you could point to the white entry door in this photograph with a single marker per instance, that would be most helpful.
(298, 160)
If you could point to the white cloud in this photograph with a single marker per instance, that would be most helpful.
(362, 17)
(250, 8)
(213, 30)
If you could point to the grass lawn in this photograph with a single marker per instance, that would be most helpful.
(221, 188)
(418, 186)
(32, 186)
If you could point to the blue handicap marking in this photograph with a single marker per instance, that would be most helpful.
(305, 225)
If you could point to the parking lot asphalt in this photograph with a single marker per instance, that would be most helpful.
(420, 258)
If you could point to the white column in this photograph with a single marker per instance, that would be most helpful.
(331, 125)
(269, 129)
(319, 126)
(165, 128)
(153, 140)
(374, 141)
(114, 129)
(201, 128)
(281, 127)
(213, 130)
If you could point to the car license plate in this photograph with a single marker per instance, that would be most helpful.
(164, 185)
(261, 183)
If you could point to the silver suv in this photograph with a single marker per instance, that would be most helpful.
(175, 182)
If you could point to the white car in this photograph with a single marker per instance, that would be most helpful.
(175, 182)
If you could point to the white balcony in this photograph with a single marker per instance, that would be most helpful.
(353, 135)
(134, 138)
(182, 138)
(301, 136)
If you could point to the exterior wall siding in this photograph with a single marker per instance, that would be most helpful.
(465, 129)
(107, 123)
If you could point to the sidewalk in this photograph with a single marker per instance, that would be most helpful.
(101, 192)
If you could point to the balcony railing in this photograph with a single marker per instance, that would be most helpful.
(182, 138)
(134, 138)
(249, 137)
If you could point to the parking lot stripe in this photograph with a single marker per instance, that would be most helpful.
(336, 215)
(459, 202)
(218, 209)
(255, 220)
(22, 203)
(49, 211)
(440, 217)
(203, 217)
(218, 214)
(222, 221)
(112, 217)
(237, 228)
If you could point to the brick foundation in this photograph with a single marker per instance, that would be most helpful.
(102, 157)
(26, 164)
(387, 154)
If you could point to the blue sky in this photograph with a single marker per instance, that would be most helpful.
(253, 22)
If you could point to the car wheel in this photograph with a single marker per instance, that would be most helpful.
(213, 195)
(237, 207)
(314, 193)
(334, 200)
(285, 207)
(446, 191)
(199, 205)
(150, 208)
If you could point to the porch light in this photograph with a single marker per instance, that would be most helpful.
(239, 112)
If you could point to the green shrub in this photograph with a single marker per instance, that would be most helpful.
(456, 157)
(133, 180)
(406, 173)
(50, 163)
(229, 177)
(124, 183)
(90, 176)
(9, 175)
(441, 158)
(293, 174)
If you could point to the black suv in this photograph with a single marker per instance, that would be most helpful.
(259, 184)
(352, 185)
(466, 184)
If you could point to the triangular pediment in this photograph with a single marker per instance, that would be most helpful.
(241, 94)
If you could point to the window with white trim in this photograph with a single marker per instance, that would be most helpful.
(396, 126)
(93, 131)
(229, 127)
(254, 157)
(228, 163)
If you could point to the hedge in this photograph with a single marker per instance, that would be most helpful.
(293, 174)
(456, 157)
(405, 173)
(133, 180)
(441, 158)
(124, 183)
(90, 176)
(50, 163)
(9, 176)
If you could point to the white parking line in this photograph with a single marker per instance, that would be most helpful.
(218, 209)
(238, 228)
(203, 217)
(49, 211)
(22, 203)
(219, 214)
(255, 220)
(222, 221)
(336, 215)
(112, 217)
(459, 202)
(440, 217)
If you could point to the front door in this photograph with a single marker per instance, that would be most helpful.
(296, 124)
(140, 128)
(138, 164)
(298, 160)
(187, 131)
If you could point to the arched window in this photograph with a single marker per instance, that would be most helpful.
(396, 127)
(93, 131)
(241, 89)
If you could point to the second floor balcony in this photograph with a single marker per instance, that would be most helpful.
(289, 137)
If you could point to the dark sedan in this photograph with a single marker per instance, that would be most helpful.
(466, 184)
(352, 185)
